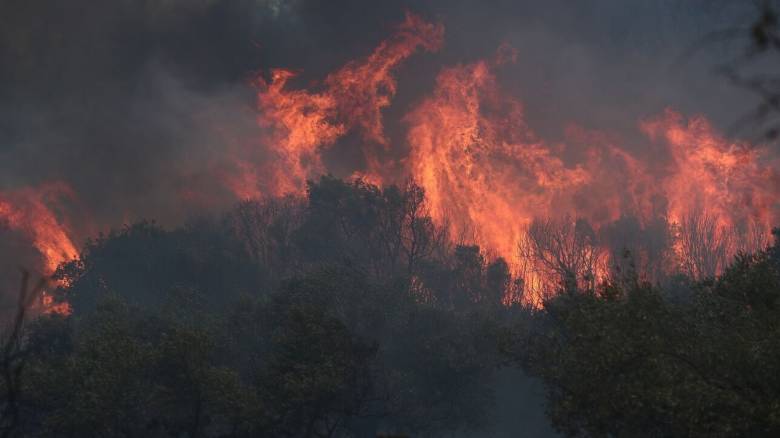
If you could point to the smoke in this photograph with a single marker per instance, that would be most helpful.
(145, 109)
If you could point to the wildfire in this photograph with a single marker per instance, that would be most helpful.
(723, 196)
(301, 123)
(557, 212)
(488, 176)
(25, 211)
(732, 180)
(492, 181)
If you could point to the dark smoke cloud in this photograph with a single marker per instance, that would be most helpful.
(136, 102)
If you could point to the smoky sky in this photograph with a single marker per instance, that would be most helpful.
(136, 104)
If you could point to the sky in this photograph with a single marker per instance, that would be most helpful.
(137, 104)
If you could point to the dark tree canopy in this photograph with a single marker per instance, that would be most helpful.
(349, 313)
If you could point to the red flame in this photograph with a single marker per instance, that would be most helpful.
(26, 211)
(301, 123)
(487, 176)
(492, 181)
(732, 180)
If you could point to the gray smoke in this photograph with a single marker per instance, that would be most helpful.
(134, 103)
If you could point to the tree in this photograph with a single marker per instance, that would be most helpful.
(705, 245)
(317, 377)
(126, 372)
(13, 357)
(624, 360)
(346, 313)
(642, 247)
(562, 254)
(383, 232)
(265, 228)
(143, 262)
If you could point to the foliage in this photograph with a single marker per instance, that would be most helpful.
(345, 314)
(349, 314)
(629, 360)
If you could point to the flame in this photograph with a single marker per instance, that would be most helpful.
(300, 123)
(26, 211)
(730, 179)
(490, 178)
(722, 195)
(487, 176)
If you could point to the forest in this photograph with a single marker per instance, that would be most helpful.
(348, 313)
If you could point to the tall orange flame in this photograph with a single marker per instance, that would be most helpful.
(487, 175)
(731, 179)
(546, 208)
(492, 181)
(300, 122)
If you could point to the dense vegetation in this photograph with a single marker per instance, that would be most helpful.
(349, 313)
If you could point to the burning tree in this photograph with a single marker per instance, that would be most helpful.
(640, 248)
(561, 254)
(704, 245)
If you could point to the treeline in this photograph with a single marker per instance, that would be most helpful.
(350, 313)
